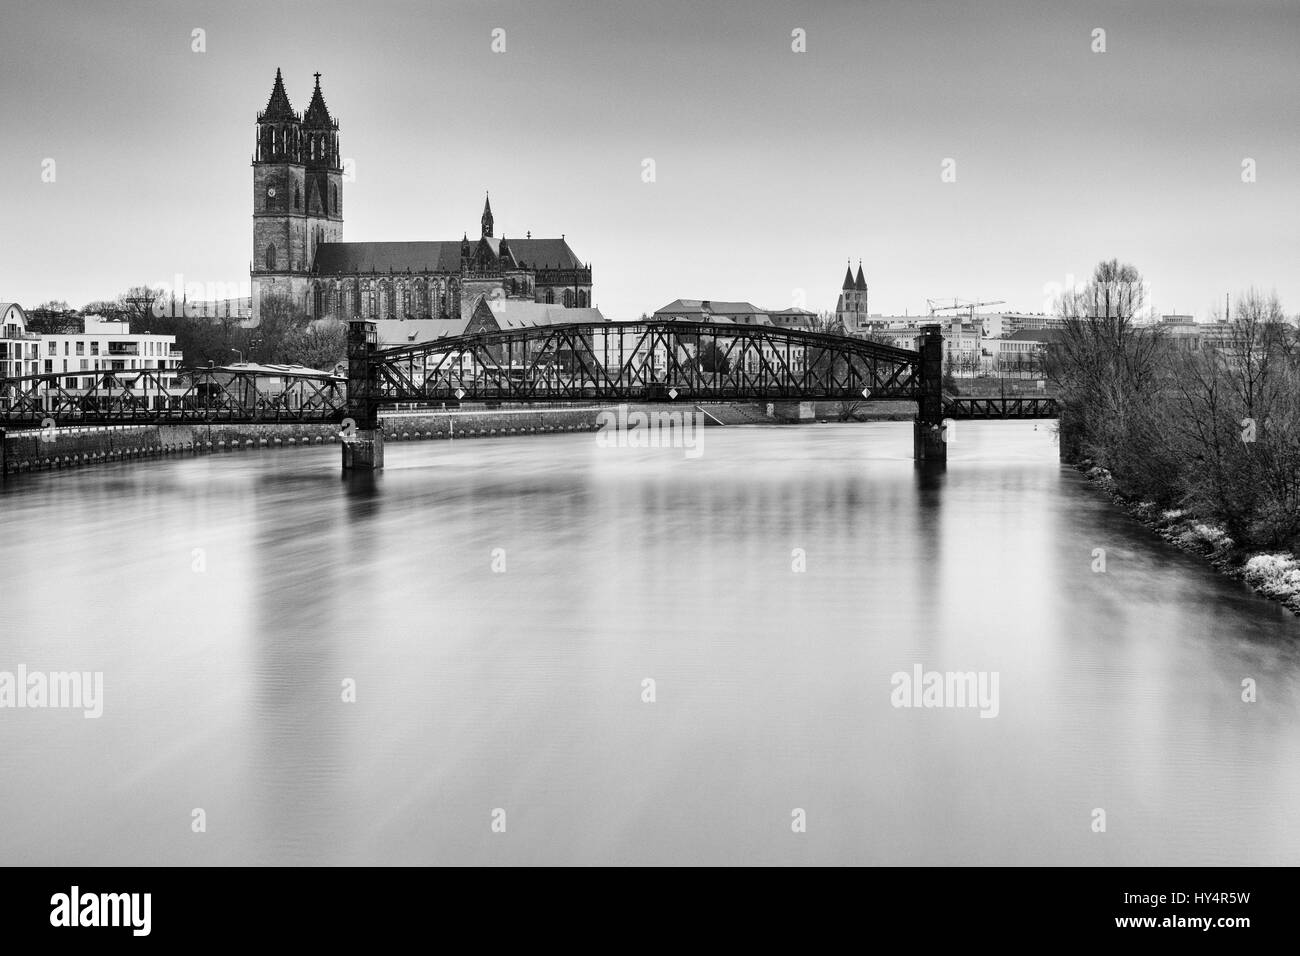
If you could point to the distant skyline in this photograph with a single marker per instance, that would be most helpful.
(772, 167)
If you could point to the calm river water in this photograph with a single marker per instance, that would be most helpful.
(499, 605)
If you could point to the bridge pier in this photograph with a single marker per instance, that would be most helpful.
(364, 451)
(794, 411)
(363, 434)
(929, 443)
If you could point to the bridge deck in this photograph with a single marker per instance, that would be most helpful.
(646, 361)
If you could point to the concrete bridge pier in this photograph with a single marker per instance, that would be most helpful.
(929, 443)
(364, 451)
(794, 411)
(363, 434)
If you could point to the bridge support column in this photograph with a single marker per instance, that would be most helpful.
(795, 411)
(365, 451)
(928, 440)
(928, 443)
(363, 435)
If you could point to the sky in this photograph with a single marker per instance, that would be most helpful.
(772, 167)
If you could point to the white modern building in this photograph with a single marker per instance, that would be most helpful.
(19, 349)
(106, 345)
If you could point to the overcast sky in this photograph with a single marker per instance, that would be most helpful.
(772, 167)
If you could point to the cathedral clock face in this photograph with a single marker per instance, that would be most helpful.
(271, 192)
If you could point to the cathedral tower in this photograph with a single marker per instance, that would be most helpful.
(323, 196)
(297, 194)
(851, 310)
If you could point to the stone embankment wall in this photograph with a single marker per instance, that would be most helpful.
(57, 448)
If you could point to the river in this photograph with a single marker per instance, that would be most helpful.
(497, 607)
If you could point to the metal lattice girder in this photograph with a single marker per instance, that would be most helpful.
(633, 361)
(608, 361)
(145, 396)
(984, 408)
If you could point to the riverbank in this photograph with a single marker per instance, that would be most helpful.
(1272, 574)
(63, 448)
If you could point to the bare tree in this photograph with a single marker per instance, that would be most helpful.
(1212, 426)
(1259, 336)
(136, 305)
(279, 318)
(1104, 360)
(321, 345)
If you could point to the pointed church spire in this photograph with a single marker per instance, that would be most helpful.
(487, 216)
(860, 284)
(848, 277)
(278, 108)
(317, 115)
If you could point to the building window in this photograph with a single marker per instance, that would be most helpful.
(52, 348)
(297, 197)
(49, 365)
(318, 302)
(94, 348)
(270, 256)
(550, 297)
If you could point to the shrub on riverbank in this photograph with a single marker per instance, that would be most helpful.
(1212, 431)
(1277, 575)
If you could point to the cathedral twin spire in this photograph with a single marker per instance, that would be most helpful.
(851, 284)
(280, 110)
(285, 136)
(317, 115)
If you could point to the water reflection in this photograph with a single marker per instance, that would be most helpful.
(499, 604)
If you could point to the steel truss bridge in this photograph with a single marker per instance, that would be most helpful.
(148, 397)
(646, 361)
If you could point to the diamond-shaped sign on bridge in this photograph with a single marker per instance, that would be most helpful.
(459, 393)
(672, 393)
(866, 393)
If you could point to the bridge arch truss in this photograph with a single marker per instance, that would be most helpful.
(645, 361)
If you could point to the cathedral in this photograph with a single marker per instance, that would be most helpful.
(299, 252)
(851, 310)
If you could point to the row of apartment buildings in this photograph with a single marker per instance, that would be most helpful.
(102, 345)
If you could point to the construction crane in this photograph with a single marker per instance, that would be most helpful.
(959, 304)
